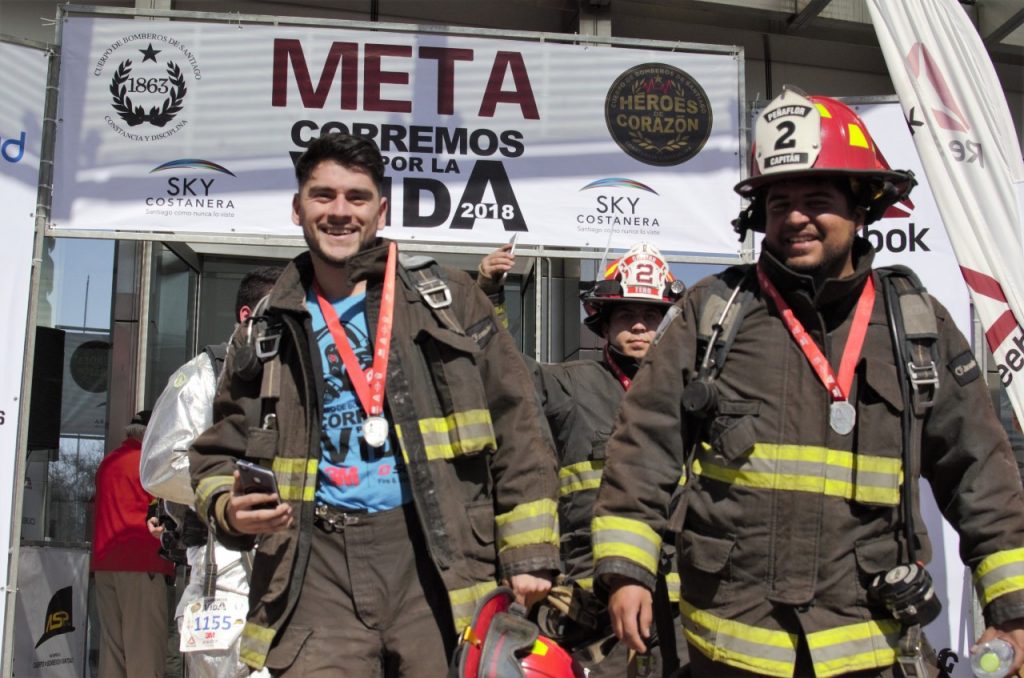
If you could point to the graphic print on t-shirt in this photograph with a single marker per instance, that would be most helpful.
(352, 474)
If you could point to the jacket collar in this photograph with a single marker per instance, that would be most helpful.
(833, 290)
(289, 294)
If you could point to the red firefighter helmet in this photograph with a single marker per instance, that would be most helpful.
(798, 136)
(640, 276)
(502, 643)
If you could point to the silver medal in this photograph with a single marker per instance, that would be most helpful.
(375, 431)
(841, 417)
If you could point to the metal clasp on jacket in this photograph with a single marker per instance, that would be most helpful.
(430, 289)
(332, 519)
(924, 379)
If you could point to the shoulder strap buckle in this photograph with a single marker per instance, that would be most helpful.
(267, 344)
(924, 380)
(921, 375)
(435, 292)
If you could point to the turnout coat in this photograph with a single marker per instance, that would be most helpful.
(785, 522)
(461, 402)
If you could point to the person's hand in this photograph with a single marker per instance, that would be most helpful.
(631, 607)
(494, 266)
(1013, 633)
(243, 516)
(530, 588)
(154, 527)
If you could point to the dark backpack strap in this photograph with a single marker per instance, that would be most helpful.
(664, 624)
(217, 354)
(914, 332)
(721, 314)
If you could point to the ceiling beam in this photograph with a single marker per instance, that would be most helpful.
(996, 36)
(810, 10)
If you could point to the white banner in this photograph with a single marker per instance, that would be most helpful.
(191, 127)
(23, 81)
(912, 232)
(51, 616)
(954, 102)
(954, 105)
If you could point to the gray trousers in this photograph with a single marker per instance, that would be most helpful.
(132, 608)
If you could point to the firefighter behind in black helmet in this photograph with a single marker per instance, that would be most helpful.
(798, 549)
(580, 399)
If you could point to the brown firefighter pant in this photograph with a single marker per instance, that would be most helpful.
(371, 604)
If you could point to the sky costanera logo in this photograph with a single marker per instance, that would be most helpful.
(148, 93)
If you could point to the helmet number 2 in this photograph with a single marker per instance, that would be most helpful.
(644, 274)
(787, 128)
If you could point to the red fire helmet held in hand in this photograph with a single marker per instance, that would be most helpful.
(502, 643)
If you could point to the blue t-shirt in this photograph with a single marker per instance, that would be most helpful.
(352, 474)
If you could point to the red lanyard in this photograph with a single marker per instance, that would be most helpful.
(369, 389)
(616, 370)
(854, 343)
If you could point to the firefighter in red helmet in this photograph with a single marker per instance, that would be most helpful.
(806, 395)
(580, 400)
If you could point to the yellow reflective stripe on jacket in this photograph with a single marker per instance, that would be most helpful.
(210, 487)
(672, 582)
(1000, 573)
(855, 647)
(458, 433)
(804, 468)
(534, 522)
(464, 602)
(633, 540)
(296, 478)
(772, 653)
(255, 644)
(586, 583)
(586, 475)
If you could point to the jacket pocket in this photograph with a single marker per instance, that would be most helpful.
(600, 441)
(704, 566)
(481, 523)
(290, 641)
(883, 384)
(261, 443)
(465, 427)
(878, 461)
(479, 543)
(732, 432)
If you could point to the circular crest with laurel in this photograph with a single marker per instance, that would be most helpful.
(658, 114)
(135, 114)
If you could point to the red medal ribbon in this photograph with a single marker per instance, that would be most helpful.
(616, 370)
(370, 388)
(838, 390)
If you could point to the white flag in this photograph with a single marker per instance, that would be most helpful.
(965, 137)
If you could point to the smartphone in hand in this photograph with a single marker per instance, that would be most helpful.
(257, 479)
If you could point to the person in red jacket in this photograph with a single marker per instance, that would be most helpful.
(130, 584)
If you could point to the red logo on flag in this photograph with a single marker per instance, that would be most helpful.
(987, 286)
(946, 112)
